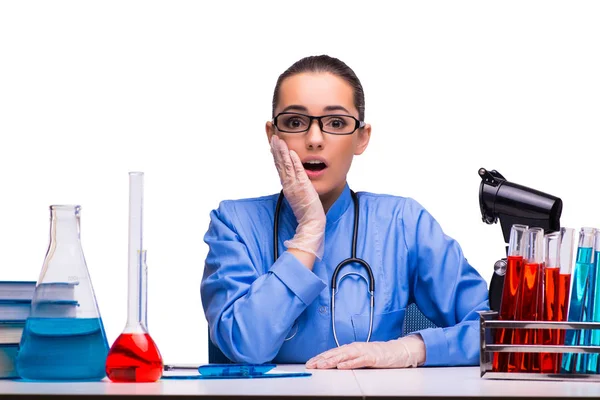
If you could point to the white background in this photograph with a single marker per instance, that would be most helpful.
(181, 90)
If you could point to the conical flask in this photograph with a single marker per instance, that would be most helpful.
(64, 337)
(134, 357)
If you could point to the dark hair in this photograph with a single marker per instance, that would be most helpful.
(329, 64)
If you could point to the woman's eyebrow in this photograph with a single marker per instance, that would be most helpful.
(336, 108)
(295, 107)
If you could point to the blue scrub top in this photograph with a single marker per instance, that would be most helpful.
(261, 310)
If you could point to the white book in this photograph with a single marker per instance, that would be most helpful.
(11, 332)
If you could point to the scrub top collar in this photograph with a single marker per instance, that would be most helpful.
(338, 208)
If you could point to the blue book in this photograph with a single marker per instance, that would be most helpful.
(25, 290)
(17, 290)
(14, 310)
(19, 310)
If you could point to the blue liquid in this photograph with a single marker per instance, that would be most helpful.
(63, 349)
(573, 362)
(593, 338)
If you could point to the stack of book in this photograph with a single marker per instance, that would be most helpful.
(51, 300)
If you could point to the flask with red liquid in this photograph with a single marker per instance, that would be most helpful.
(504, 362)
(134, 357)
(530, 300)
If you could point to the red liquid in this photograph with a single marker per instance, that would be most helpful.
(504, 362)
(564, 288)
(134, 357)
(529, 310)
(550, 336)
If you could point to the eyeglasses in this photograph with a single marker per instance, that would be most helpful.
(332, 124)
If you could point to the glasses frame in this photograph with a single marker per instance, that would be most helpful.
(358, 124)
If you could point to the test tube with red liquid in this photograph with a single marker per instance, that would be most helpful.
(549, 363)
(134, 357)
(530, 300)
(505, 362)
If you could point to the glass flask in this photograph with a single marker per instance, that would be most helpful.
(64, 337)
(134, 357)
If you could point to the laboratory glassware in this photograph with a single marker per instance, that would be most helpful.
(64, 338)
(134, 356)
(504, 362)
(594, 306)
(550, 302)
(530, 299)
(572, 362)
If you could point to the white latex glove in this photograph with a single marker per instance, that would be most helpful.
(303, 199)
(408, 351)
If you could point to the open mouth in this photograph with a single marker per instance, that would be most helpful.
(314, 165)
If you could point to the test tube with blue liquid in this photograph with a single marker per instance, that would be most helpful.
(578, 306)
(593, 338)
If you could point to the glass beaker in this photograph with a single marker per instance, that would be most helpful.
(504, 362)
(134, 356)
(64, 337)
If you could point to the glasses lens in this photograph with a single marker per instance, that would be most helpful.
(338, 124)
(293, 123)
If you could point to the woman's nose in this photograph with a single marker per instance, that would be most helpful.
(314, 136)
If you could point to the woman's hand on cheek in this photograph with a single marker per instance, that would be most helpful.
(302, 198)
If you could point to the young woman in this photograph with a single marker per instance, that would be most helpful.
(267, 285)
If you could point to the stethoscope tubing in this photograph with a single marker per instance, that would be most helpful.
(334, 280)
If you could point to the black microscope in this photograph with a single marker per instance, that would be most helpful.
(513, 204)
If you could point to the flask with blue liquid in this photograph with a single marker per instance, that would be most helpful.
(64, 338)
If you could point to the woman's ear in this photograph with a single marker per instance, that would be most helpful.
(270, 129)
(364, 135)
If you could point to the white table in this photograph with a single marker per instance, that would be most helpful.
(420, 382)
(462, 382)
(323, 383)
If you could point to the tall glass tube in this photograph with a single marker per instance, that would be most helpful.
(594, 305)
(504, 362)
(134, 357)
(530, 299)
(573, 362)
(567, 244)
(550, 304)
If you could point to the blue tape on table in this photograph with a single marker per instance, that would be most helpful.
(229, 371)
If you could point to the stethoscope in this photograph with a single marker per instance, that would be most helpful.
(334, 281)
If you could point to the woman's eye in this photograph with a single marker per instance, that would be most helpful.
(295, 123)
(337, 123)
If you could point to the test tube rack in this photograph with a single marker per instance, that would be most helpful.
(488, 322)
